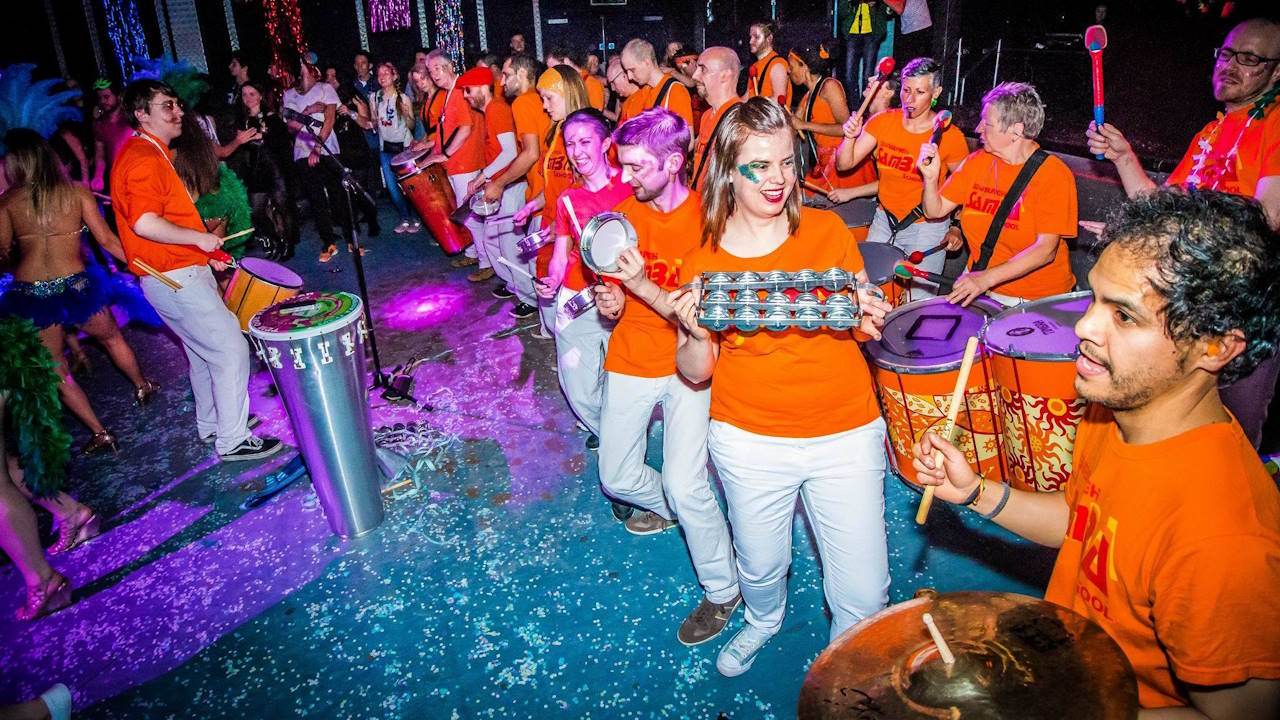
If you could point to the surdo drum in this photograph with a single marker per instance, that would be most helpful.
(313, 344)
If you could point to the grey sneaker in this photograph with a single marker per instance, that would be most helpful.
(707, 621)
(648, 523)
(737, 655)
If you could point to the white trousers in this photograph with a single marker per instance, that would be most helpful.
(581, 344)
(500, 241)
(473, 224)
(840, 479)
(682, 490)
(217, 352)
(919, 236)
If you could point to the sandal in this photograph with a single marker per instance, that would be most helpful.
(48, 598)
(71, 535)
(99, 442)
(142, 394)
(328, 253)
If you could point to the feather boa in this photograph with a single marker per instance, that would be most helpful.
(33, 409)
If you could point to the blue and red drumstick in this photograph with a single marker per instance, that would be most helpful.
(1095, 40)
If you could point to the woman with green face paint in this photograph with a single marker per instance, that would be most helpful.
(792, 440)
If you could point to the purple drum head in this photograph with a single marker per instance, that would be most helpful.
(928, 336)
(880, 258)
(274, 273)
(1039, 330)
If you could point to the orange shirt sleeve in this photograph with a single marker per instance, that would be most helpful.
(1271, 145)
(952, 148)
(595, 91)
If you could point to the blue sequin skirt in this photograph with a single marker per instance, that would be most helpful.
(68, 300)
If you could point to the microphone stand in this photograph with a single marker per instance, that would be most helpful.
(351, 187)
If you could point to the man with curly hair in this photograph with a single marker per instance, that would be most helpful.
(1169, 527)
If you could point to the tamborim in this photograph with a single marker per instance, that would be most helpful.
(604, 238)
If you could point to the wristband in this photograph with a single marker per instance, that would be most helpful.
(977, 492)
(1000, 505)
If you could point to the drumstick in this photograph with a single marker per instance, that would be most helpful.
(938, 640)
(957, 395)
(233, 236)
(814, 188)
(882, 73)
(517, 268)
(168, 282)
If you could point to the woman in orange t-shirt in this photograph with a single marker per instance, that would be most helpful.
(775, 431)
(1030, 258)
(893, 139)
(562, 93)
(820, 117)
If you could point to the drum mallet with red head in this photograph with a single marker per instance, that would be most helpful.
(883, 70)
(1095, 40)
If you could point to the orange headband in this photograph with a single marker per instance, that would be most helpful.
(551, 81)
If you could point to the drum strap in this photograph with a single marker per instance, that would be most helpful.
(661, 99)
(1006, 206)
(896, 225)
(764, 73)
(702, 161)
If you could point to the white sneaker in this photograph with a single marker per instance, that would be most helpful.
(414, 226)
(58, 700)
(740, 652)
(402, 228)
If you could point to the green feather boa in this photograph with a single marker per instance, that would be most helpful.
(32, 409)
(230, 201)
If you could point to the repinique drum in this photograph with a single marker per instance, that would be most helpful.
(857, 213)
(604, 238)
(256, 284)
(1032, 352)
(915, 365)
(313, 345)
(428, 190)
(880, 259)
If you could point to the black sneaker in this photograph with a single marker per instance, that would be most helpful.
(254, 421)
(593, 442)
(523, 310)
(621, 511)
(502, 293)
(253, 449)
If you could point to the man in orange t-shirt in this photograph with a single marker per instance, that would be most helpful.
(628, 97)
(1169, 527)
(1030, 259)
(658, 88)
(640, 371)
(519, 73)
(499, 150)
(162, 232)
(768, 75)
(716, 78)
(459, 140)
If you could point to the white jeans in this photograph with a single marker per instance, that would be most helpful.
(919, 236)
(840, 479)
(459, 183)
(682, 490)
(217, 352)
(500, 241)
(581, 344)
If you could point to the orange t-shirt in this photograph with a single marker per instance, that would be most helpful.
(586, 204)
(1174, 549)
(643, 343)
(556, 172)
(497, 120)
(632, 105)
(143, 180)
(897, 150)
(705, 133)
(1256, 153)
(824, 173)
(811, 367)
(1048, 205)
(759, 82)
(676, 100)
(595, 90)
(458, 113)
(531, 119)
(431, 112)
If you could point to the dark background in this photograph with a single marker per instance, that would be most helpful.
(1157, 64)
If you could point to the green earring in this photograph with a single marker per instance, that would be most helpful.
(933, 103)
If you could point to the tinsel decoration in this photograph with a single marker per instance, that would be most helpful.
(423, 35)
(284, 30)
(363, 25)
(387, 15)
(32, 409)
(449, 29)
(125, 30)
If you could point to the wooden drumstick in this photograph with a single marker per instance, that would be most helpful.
(233, 236)
(953, 411)
(938, 640)
(815, 188)
(166, 280)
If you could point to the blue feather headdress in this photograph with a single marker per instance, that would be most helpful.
(187, 82)
(33, 104)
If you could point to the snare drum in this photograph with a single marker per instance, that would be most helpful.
(915, 366)
(604, 238)
(256, 284)
(879, 260)
(1032, 353)
(429, 191)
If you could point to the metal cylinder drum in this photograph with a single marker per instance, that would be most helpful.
(314, 346)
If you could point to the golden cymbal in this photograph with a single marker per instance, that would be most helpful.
(1015, 657)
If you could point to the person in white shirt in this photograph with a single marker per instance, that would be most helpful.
(310, 108)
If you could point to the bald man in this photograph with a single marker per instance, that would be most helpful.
(716, 77)
(660, 89)
(1238, 153)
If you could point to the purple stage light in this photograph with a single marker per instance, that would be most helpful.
(421, 307)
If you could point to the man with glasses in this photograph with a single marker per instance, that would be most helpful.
(1238, 153)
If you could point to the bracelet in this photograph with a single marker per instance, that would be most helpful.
(976, 495)
(1000, 505)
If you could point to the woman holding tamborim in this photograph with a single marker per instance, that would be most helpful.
(822, 436)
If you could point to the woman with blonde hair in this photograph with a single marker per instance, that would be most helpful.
(392, 117)
(41, 218)
(770, 447)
